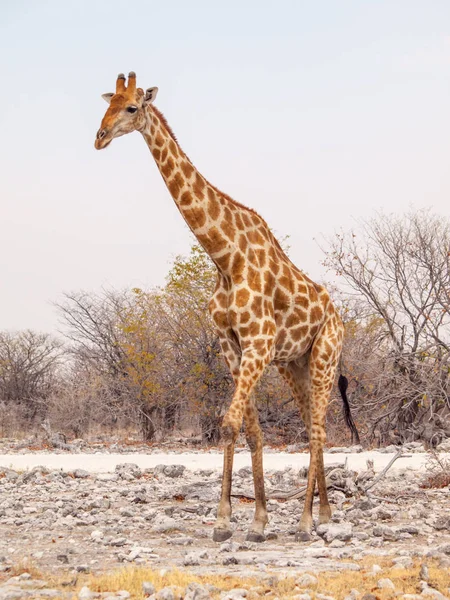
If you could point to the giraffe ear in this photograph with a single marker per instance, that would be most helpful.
(150, 95)
(107, 97)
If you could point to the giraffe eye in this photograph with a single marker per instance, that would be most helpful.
(131, 109)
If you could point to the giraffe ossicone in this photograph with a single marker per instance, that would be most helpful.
(264, 308)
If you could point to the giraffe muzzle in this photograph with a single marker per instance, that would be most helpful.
(100, 140)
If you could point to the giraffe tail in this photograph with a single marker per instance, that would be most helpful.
(343, 385)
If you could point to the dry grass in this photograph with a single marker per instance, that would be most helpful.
(24, 566)
(438, 471)
(335, 584)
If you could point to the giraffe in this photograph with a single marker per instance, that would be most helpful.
(264, 308)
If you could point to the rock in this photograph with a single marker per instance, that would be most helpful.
(128, 471)
(411, 529)
(63, 558)
(404, 562)
(301, 597)
(387, 533)
(81, 474)
(424, 574)
(337, 544)
(86, 594)
(376, 569)
(431, 592)
(165, 594)
(230, 560)
(385, 584)
(140, 498)
(331, 531)
(148, 588)
(235, 594)
(193, 559)
(306, 580)
(441, 523)
(369, 597)
(118, 542)
(174, 471)
(164, 524)
(444, 446)
(82, 569)
(195, 591)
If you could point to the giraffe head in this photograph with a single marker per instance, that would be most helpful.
(126, 111)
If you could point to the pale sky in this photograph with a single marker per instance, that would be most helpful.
(313, 113)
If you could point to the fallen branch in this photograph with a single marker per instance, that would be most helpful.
(385, 470)
(293, 494)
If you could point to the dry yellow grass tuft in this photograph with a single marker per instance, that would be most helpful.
(334, 584)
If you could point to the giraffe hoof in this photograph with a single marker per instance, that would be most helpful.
(221, 535)
(255, 536)
(303, 536)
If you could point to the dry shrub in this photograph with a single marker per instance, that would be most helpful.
(438, 471)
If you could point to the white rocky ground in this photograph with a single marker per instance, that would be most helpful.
(84, 512)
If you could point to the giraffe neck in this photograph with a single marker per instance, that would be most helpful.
(210, 214)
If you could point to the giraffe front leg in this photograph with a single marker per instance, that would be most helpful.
(230, 430)
(254, 439)
(250, 370)
(232, 354)
(222, 528)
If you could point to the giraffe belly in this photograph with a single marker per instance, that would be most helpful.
(287, 349)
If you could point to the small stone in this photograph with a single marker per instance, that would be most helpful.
(128, 471)
(431, 592)
(385, 584)
(332, 531)
(230, 560)
(86, 594)
(121, 541)
(140, 498)
(235, 594)
(148, 588)
(195, 591)
(63, 558)
(403, 562)
(165, 594)
(82, 569)
(174, 471)
(387, 533)
(337, 544)
(306, 580)
(81, 474)
(424, 574)
(192, 559)
(164, 524)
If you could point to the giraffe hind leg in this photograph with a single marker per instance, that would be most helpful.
(325, 353)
